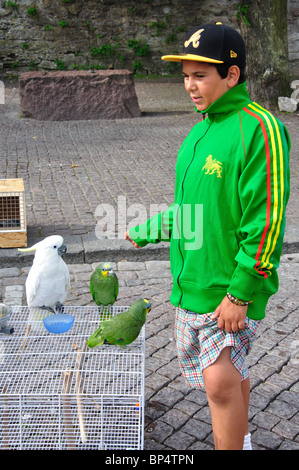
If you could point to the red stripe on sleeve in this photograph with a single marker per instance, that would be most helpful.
(268, 212)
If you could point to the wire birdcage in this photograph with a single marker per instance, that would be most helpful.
(13, 231)
(56, 393)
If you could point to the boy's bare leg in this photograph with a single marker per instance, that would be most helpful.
(245, 387)
(228, 399)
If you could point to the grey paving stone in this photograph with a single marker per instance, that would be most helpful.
(80, 165)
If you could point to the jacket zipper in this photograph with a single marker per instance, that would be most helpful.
(182, 186)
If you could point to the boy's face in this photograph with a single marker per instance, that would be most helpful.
(203, 83)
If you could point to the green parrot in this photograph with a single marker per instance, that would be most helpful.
(104, 285)
(122, 329)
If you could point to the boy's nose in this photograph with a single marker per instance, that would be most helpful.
(190, 84)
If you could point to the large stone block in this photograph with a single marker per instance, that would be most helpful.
(78, 95)
(288, 105)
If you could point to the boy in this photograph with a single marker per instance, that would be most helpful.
(234, 164)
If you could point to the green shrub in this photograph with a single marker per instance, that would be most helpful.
(32, 11)
(106, 50)
(140, 47)
(60, 65)
(63, 24)
(12, 4)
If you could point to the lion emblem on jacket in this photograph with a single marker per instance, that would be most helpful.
(212, 166)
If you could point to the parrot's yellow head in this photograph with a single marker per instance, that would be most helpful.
(148, 308)
(107, 270)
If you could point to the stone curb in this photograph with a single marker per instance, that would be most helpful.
(88, 249)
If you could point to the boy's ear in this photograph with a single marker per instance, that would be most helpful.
(233, 76)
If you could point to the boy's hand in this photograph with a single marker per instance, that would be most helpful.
(127, 237)
(231, 317)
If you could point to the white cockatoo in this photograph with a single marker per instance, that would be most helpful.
(48, 280)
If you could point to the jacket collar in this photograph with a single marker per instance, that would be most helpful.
(231, 102)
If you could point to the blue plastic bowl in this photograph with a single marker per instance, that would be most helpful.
(58, 323)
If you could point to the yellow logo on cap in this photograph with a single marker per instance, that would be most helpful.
(194, 39)
(233, 54)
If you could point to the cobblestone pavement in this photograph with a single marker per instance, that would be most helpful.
(71, 167)
(177, 417)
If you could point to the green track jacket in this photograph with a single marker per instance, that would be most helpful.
(227, 222)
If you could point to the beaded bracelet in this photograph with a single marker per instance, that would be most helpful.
(237, 301)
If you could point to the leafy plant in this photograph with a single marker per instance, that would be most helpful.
(63, 24)
(242, 12)
(32, 11)
(106, 50)
(170, 38)
(159, 26)
(60, 65)
(89, 27)
(12, 4)
(140, 47)
(32, 65)
(48, 27)
(137, 65)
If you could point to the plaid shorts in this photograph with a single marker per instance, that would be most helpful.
(200, 342)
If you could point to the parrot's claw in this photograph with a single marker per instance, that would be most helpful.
(101, 309)
(59, 308)
(44, 307)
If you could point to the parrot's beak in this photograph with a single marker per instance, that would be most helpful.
(107, 272)
(148, 309)
(62, 250)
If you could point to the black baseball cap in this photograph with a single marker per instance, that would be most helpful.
(214, 43)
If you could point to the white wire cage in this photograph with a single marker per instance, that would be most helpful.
(56, 393)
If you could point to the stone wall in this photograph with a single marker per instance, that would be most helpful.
(293, 32)
(121, 34)
(68, 34)
(132, 34)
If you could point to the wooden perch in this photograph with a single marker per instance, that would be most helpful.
(67, 410)
(24, 340)
(5, 444)
(79, 361)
